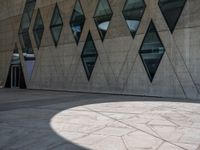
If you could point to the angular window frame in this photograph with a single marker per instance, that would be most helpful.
(36, 29)
(123, 11)
(25, 30)
(24, 37)
(82, 21)
(95, 17)
(177, 19)
(57, 25)
(140, 51)
(83, 56)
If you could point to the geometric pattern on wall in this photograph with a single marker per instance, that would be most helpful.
(102, 17)
(38, 29)
(24, 37)
(89, 56)
(56, 25)
(133, 12)
(77, 21)
(151, 51)
(171, 10)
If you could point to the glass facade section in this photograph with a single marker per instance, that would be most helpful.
(15, 57)
(77, 21)
(24, 37)
(89, 56)
(56, 25)
(151, 51)
(38, 29)
(171, 10)
(102, 17)
(133, 12)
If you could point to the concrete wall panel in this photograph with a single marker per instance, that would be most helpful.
(119, 68)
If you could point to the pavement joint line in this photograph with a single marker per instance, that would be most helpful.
(168, 119)
(153, 131)
(137, 129)
(124, 143)
(184, 112)
(160, 145)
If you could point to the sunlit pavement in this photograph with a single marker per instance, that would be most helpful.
(46, 120)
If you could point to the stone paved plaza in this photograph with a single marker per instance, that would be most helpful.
(48, 120)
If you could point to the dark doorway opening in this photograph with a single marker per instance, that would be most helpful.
(15, 78)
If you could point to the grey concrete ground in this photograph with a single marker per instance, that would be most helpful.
(46, 120)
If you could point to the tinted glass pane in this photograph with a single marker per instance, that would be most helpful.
(56, 19)
(38, 29)
(15, 57)
(77, 21)
(27, 15)
(56, 31)
(103, 17)
(29, 8)
(31, 1)
(151, 51)
(103, 8)
(29, 66)
(38, 36)
(21, 40)
(24, 37)
(25, 23)
(89, 56)
(133, 12)
(56, 25)
(27, 42)
(171, 10)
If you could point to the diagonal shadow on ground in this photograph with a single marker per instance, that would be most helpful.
(25, 122)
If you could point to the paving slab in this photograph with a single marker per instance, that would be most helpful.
(48, 120)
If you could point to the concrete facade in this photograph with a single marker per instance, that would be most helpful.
(119, 68)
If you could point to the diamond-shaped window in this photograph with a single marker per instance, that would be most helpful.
(133, 12)
(25, 24)
(171, 10)
(26, 42)
(38, 29)
(24, 37)
(151, 51)
(56, 25)
(29, 7)
(89, 55)
(77, 21)
(102, 17)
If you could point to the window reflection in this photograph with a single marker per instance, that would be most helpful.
(77, 21)
(15, 57)
(89, 55)
(102, 17)
(151, 51)
(24, 36)
(56, 25)
(38, 29)
(171, 10)
(133, 12)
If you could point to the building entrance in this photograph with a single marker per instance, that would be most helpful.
(15, 76)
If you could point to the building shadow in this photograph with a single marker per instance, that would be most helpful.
(25, 122)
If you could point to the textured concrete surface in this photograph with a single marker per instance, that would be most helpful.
(119, 68)
(47, 120)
